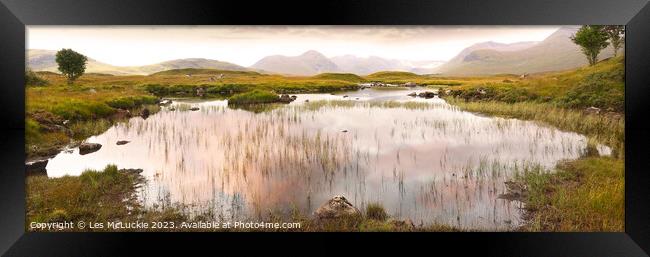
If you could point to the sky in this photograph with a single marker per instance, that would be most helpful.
(245, 45)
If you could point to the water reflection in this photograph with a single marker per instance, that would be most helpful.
(426, 161)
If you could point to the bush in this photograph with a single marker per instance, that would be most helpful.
(376, 212)
(596, 90)
(32, 79)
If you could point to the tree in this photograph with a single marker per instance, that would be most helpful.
(591, 39)
(616, 34)
(71, 64)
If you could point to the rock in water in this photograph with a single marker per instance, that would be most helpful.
(336, 207)
(122, 142)
(134, 171)
(36, 168)
(194, 109)
(87, 148)
(145, 113)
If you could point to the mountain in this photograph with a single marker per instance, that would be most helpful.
(44, 60)
(308, 63)
(556, 52)
(372, 64)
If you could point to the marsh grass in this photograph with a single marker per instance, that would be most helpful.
(608, 129)
(587, 194)
(254, 97)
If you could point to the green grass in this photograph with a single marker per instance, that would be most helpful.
(583, 195)
(340, 76)
(92, 196)
(254, 97)
(602, 86)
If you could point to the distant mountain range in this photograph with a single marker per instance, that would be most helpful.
(44, 60)
(306, 64)
(556, 52)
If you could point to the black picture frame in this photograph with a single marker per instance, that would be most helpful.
(16, 14)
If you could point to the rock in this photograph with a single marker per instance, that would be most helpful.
(345, 96)
(294, 97)
(194, 109)
(165, 102)
(35, 168)
(335, 208)
(413, 94)
(515, 191)
(427, 94)
(121, 114)
(410, 84)
(200, 92)
(592, 110)
(145, 113)
(171, 109)
(344, 131)
(135, 171)
(122, 142)
(306, 100)
(523, 76)
(86, 148)
(284, 98)
(92, 91)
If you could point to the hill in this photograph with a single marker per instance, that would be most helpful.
(44, 60)
(340, 76)
(306, 64)
(556, 52)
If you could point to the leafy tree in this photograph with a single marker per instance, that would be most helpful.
(71, 64)
(591, 39)
(616, 34)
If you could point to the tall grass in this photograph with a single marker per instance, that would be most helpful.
(584, 195)
(605, 128)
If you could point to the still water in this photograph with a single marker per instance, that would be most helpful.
(420, 158)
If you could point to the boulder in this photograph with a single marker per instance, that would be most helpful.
(335, 208)
(413, 94)
(36, 168)
(86, 148)
(410, 84)
(194, 109)
(427, 94)
(284, 98)
(122, 142)
(145, 113)
(592, 110)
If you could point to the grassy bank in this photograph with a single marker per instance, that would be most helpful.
(254, 97)
(582, 195)
(602, 86)
(94, 196)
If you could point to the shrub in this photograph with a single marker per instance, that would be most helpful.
(32, 79)
(376, 212)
